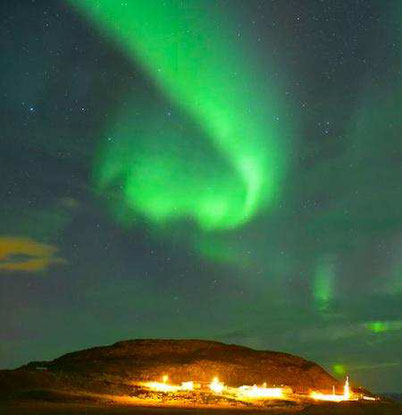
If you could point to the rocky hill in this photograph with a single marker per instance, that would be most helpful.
(112, 369)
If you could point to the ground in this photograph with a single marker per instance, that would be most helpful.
(46, 408)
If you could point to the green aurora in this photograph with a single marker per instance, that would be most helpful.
(222, 160)
(151, 110)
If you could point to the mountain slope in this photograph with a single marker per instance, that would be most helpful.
(112, 369)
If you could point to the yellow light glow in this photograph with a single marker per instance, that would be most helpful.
(161, 387)
(330, 397)
(187, 386)
(368, 398)
(216, 386)
(165, 387)
(346, 389)
(346, 396)
(255, 392)
(247, 392)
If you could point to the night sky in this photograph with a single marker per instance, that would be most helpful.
(227, 170)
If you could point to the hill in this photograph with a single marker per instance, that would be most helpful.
(108, 375)
(113, 368)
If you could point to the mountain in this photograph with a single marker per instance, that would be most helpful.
(123, 362)
(106, 374)
(397, 397)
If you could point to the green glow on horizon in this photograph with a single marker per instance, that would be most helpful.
(229, 164)
(377, 326)
(380, 326)
(339, 369)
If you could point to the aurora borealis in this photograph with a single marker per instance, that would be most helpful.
(224, 96)
(194, 169)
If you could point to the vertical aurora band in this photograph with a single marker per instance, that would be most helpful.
(209, 71)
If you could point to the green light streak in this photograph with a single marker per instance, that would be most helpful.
(203, 66)
(323, 282)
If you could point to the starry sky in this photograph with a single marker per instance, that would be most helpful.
(225, 170)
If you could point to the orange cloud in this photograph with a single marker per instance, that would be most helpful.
(25, 254)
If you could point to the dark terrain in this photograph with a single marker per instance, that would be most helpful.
(86, 381)
(43, 408)
(112, 369)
